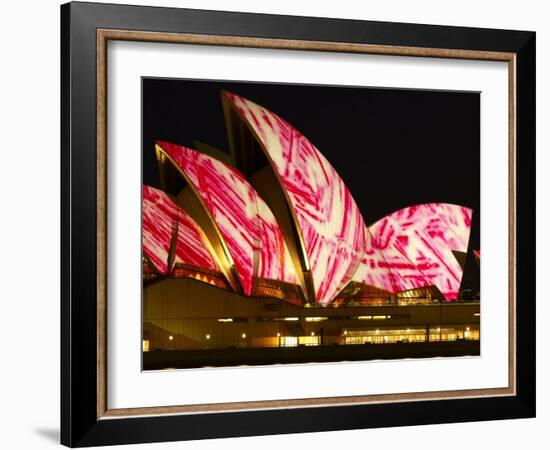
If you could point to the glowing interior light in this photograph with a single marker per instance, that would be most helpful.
(229, 319)
(467, 328)
(315, 319)
(278, 334)
(313, 333)
(364, 317)
(292, 319)
(243, 335)
(171, 337)
(207, 336)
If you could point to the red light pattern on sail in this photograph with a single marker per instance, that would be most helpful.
(275, 262)
(160, 218)
(331, 226)
(246, 224)
(417, 244)
(386, 268)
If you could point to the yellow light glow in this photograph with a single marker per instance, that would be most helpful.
(313, 333)
(315, 319)
(207, 336)
(438, 330)
(228, 319)
(346, 332)
(467, 328)
(291, 319)
(171, 337)
(243, 335)
(145, 345)
(378, 317)
(378, 331)
(477, 314)
(278, 334)
(364, 317)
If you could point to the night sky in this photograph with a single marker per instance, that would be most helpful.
(392, 147)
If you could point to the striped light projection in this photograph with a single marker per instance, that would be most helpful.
(275, 262)
(329, 223)
(247, 226)
(165, 224)
(387, 269)
(418, 242)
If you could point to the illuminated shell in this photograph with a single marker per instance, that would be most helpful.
(246, 224)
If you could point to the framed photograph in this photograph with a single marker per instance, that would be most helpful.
(276, 224)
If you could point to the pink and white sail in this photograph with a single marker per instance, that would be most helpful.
(329, 221)
(275, 262)
(247, 226)
(385, 268)
(417, 245)
(162, 218)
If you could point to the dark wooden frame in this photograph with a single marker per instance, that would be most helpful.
(85, 29)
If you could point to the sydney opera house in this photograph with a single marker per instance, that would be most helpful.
(263, 256)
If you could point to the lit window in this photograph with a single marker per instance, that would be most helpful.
(290, 341)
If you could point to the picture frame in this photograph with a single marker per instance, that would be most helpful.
(86, 418)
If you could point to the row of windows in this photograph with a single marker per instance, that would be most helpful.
(347, 337)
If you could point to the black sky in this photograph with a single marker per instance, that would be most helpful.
(392, 147)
